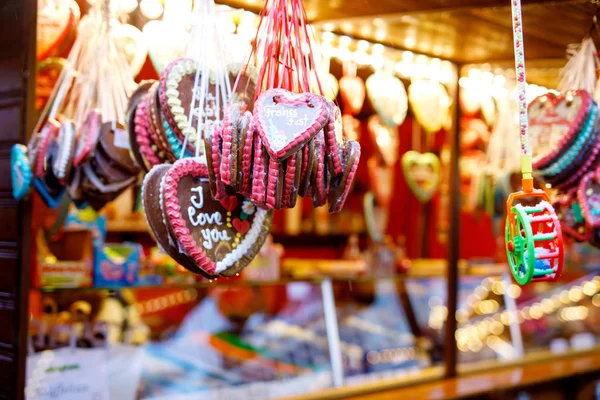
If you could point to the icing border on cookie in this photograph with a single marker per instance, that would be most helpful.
(88, 136)
(582, 197)
(542, 160)
(66, 141)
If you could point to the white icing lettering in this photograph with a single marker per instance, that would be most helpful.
(197, 218)
(195, 203)
(213, 236)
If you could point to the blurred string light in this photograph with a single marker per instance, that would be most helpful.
(151, 9)
(244, 24)
(487, 331)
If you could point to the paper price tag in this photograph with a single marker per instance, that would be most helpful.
(121, 139)
(68, 374)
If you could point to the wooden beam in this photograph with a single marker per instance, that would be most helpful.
(428, 7)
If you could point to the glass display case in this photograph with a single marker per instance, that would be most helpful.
(267, 340)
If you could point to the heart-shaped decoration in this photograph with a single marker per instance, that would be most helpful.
(164, 45)
(352, 89)
(56, 22)
(329, 84)
(386, 138)
(351, 127)
(131, 42)
(588, 196)
(47, 75)
(241, 226)
(382, 180)
(422, 173)
(207, 231)
(229, 202)
(430, 103)
(21, 171)
(286, 120)
(554, 121)
(376, 217)
(474, 133)
(388, 96)
(470, 98)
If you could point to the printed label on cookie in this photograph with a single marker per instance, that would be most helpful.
(121, 138)
(282, 115)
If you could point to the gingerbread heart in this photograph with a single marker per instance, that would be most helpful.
(352, 89)
(554, 121)
(151, 203)
(56, 23)
(286, 120)
(388, 96)
(430, 103)
(569, 212)
(176, 93)
(21, 171)
(63, 161)
(386, 138)
(422, 173)
(206, 229)
(588, 196)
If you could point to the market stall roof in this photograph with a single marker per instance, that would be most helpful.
(464, 31)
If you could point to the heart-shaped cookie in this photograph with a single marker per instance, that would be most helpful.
(151, 202)
(56, 22)
(588, 196)
(388, 96)
(430, 103)
(204, 227)
(352, 89)
(50, 192)
(87, 137)
(386, 138)
(62, 163)
(130, 42)
(286, 120)
(176, 93)
(422, 173)
(569, 212)
(554, 121)
(341, 185)
(21, 171)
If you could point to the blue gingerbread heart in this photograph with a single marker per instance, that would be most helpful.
(21, 171)
(51, 200)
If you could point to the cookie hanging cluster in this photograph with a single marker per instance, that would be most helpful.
(292, 145)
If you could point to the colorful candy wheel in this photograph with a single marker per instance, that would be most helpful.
(534, 243)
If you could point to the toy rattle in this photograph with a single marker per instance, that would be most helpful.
(534, 244)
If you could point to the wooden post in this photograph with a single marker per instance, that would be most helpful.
(17, 76)
(453, 240)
